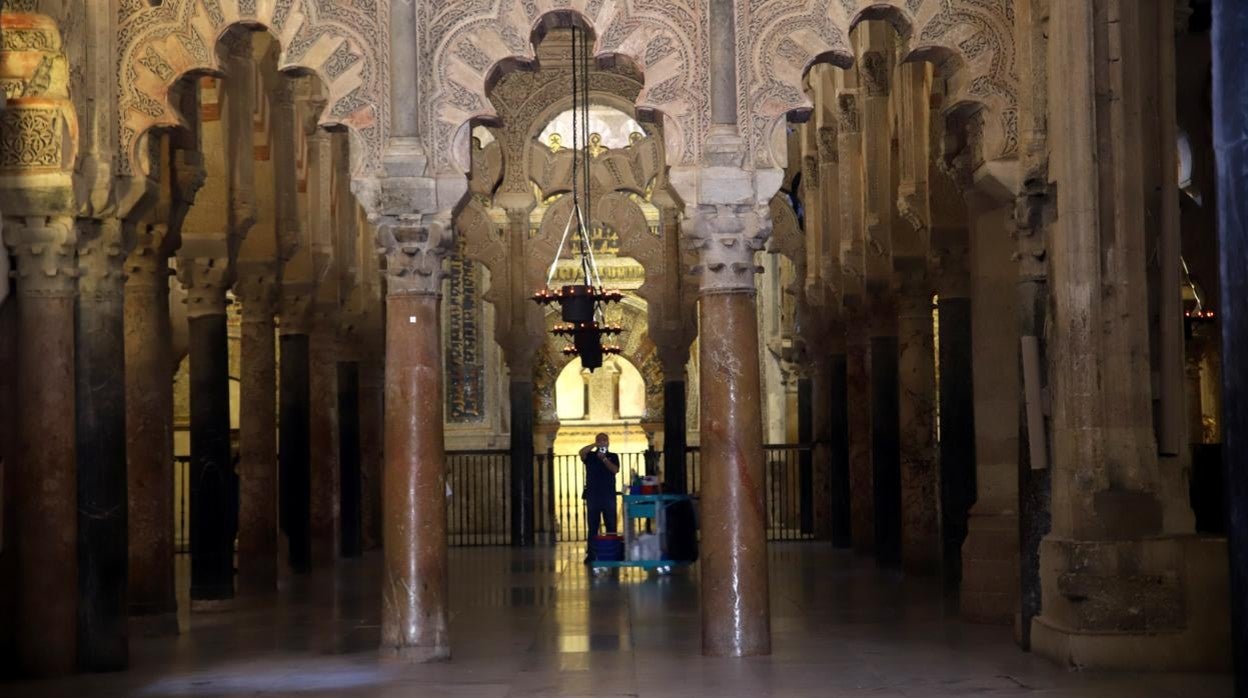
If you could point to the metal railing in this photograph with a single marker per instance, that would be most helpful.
(182, 504)
(479, 508)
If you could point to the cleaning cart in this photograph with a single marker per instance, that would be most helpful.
(646, 549)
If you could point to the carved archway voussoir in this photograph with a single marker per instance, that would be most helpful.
(159, 45)
(976, 35)
(663, 41)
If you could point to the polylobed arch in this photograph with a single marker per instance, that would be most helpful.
(663, 40)
(972, 41)
(336, 41)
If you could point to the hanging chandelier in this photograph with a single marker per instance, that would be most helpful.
(581, 304)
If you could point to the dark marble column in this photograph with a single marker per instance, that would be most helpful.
(675, 476)
(1230, 106)
(323, 435)
(805, 463)
(414, 611)
(149, 435)
(100, 419)
(257, 515)
(920, 471)
(523, 511)
(957, 431)
(8, 447)
(885, 433)
(858, 395)
(372, 397)
(212, 471)
(350, 487)
(842, 532)
(44, 471)
(294, 470)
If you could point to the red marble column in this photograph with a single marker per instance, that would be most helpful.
(414, 615)
(45, 470)
(257, 419)
(149, 436)
(735, 613)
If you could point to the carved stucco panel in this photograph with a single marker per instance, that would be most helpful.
(666, 41)
(338, 41)
(779, 39)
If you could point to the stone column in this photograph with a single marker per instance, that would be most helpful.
(149, 432)
(212, 528)
(44, 472)
(885, 423)
(414, 615)
(520, 347)
(1111, 551)
(858, 394)
(989, 591)
(100, 409)
(675, 421)
(257, 418)
(957, 401)
(350, 488)
(920, 478)
(323, 435)
(838, 444)
(735, 605)
(294, 428)
(372, 397)
(1230, 105)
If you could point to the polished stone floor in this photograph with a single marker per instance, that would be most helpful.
(534, 623)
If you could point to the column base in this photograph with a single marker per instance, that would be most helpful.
(989, 590)
(1154, 605)
(417, 654)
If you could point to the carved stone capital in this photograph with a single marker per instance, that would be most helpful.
(876, 73)
(725, 238)
(44, 250)
(912, 204)
(102, 249)
(414, 250)
(848, 120)
(914, 293)
(827, 143)
(147, 265)
(257, 291)
(189, 175)
(951, 268)
(295, 307)
(206, 280)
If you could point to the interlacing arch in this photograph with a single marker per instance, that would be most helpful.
(337, 41)
(469, 41)
(971, 39)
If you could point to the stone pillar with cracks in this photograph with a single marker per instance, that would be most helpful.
(257, 512)
(100, 410)
(45, 472)
(206, 280)
(415, 602)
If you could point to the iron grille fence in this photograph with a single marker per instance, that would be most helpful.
(182, 504)
(479, 507)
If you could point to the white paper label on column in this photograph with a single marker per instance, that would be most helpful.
(411, 319)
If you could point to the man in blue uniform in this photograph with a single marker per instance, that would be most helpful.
(601, 467)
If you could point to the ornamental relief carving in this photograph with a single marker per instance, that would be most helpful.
(779, 39)
(465, 40)
(336, 40)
